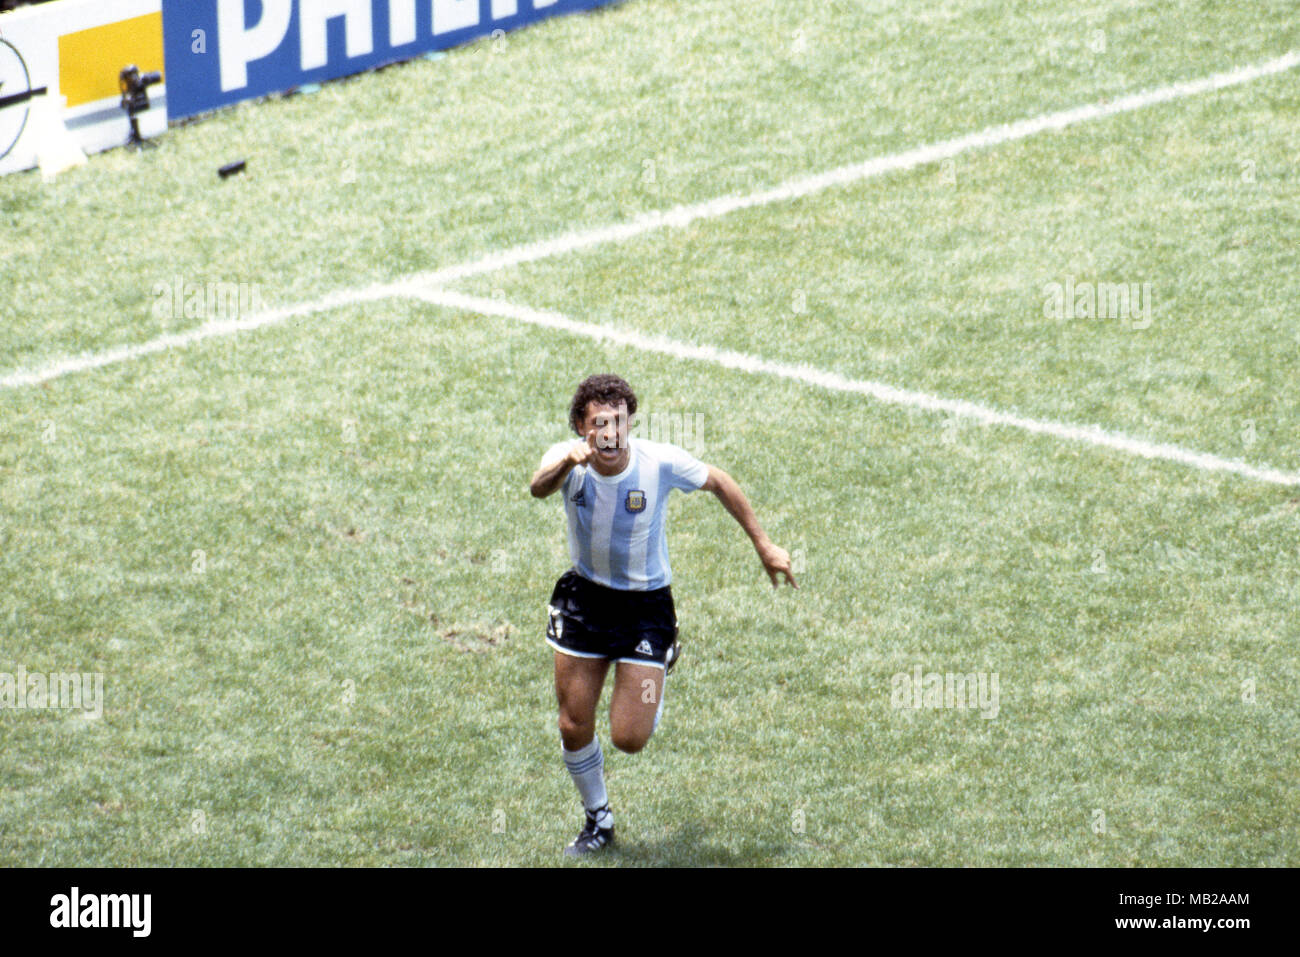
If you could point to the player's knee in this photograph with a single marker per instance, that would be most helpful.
(575, 731)
(629, 742)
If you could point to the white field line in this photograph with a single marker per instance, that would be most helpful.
(650, 222)
(681, 216)
(212, 329)
(1090, 434)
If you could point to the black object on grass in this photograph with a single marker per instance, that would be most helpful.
(230, 169)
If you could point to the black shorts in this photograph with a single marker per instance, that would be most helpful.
(588, 620)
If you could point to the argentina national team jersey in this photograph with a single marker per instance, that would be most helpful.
(616, 522)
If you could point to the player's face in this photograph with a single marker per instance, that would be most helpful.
(610, 424)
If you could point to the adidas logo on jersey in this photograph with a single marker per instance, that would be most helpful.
(579, 498)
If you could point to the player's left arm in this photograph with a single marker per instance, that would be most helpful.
(776, 560)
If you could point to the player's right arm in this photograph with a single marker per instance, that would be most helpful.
(551, 473)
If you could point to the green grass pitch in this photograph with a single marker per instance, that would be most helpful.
(306, 562)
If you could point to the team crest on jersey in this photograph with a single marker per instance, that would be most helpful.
(635, 501)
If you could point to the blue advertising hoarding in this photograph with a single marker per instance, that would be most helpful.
(219, 52)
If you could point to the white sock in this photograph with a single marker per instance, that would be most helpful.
(587, 768)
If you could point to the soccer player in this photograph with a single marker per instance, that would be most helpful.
(615, 604)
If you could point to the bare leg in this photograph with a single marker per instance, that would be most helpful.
(577, 688)
(634, 705)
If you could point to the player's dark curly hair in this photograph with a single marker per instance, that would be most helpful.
(603, 390)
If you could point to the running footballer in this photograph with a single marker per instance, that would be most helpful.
(615, 603)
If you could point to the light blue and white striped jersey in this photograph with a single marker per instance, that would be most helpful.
(616, 522)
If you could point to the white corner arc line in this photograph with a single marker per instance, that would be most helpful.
(659, 219)
(984, 415)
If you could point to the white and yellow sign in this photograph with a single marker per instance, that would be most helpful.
(59, 67)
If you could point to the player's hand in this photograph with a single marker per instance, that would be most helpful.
(776, 561)
(583, 452)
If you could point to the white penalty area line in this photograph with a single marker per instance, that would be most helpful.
(660, 219)
(1089, 435)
